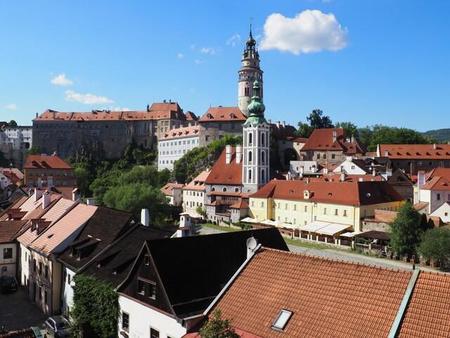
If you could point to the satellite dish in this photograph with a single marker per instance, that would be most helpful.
(252, 243)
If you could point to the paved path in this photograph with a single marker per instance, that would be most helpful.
(340, 255)
(17, 312)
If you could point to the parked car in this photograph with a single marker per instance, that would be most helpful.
(8, 284)
(58, 325)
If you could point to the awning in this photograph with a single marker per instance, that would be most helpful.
(348, 234)
(374, 234)
(313, 226)
(333, 229)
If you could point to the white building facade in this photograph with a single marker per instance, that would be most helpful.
(175, 143)
(256, 145)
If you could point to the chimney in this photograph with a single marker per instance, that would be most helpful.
(148, 107)
(374, 172)
(353, 139)
(75, 195)
(252, 246)
(45, 199)
(434, 146)
(37, 115)
(361, 179)
(184, 230)
(145, 217)
(228, 154)
(90, 201)
(334, 135)
(284, 124)
(342, 179)
(325, 171)
(386, 153)
(420, 178)
(238, 154)
(37, 194)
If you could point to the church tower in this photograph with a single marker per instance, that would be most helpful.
(249, 73)
(256, 144)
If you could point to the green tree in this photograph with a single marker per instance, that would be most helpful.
(216, 327)
(34, 150)
(436, 245)
(317, 120)
(350, 129)
(96, 308)
(406, 230)
(83, 177)
(304, 129)
(133, 197)
(12, 123)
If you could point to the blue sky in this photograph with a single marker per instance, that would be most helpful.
(381, 61)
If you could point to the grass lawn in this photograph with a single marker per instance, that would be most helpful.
(219, 227)
(311, 245)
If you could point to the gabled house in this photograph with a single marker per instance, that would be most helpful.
(45, 271)
(433, 188)
(174, 280)
(352, 166)
(100, 231)
(46, 171)
(194, 194)
(443, 212)
(173, 193)
(330, 146)
(9, 250)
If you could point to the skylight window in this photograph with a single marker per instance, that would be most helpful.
(282, 320)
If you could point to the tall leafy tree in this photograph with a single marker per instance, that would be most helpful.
(350, 129)
(406, 230)
(436, 245)
(304, 129)
(316, 120)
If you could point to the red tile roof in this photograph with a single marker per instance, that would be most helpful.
(198, 183)
(223, 114)
(322, 139)
(438, 179)
(223, 173)
(415, 151)
(181, 132)
(327, 298)
(190, 116)
(45, 162)
(169, 187)
(10, 229)
(346, 193)
(164, 110)
(428, 312)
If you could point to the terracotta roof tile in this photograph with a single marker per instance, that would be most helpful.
(198, 183)
(10, 229)
(428, 312)
(323, 139)
(50, 240)
(181, 132)
(415, 151)
(346, 193)
(223, 114)
(45, 162)
(223, 173)
(168, 188)
(327, 298)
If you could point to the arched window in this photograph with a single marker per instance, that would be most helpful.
(247, 93)
(263, 157)
(263, 176)
(249, 175)
(250, 156)
(263, 139)
(224, 189)
(250, 138)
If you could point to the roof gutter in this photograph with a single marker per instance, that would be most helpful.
(404, 304)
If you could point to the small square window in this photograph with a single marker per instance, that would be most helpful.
(154, 333)
(7, 253)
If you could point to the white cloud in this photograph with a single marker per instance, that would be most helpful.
(198, 61)
(208, 50)
(86, 98)
(180, 55)
(234, 40)
(119, 109)
(61, 80)
(11, 106)
(309, 31)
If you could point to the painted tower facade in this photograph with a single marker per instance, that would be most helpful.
(248, 74)
(256, 144)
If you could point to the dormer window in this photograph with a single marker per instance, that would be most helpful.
(282, 320)
(146, 288)
(146, 260)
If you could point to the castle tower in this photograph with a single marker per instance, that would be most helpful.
(249, 73)
(256, 144)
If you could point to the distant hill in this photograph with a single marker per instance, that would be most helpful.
(440, 135)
